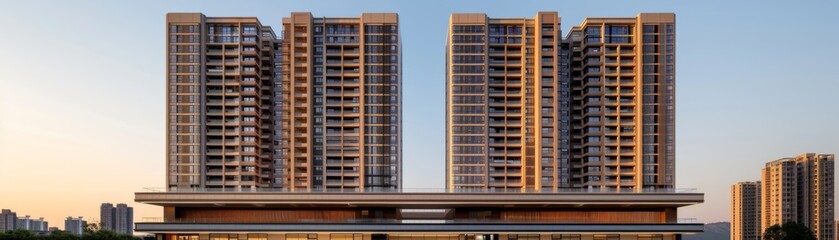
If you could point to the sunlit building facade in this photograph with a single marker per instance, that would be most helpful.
(528, 110)
(341, 93)
(220, 114)
(745, 211)
(800, 189)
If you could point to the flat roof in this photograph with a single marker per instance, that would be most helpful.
(419, 199)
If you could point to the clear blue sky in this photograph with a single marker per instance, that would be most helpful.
(82, 96)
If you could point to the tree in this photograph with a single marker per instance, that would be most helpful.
(61, 235)
(106, 235)
(788, 231)
(17, 234)
(91, 228)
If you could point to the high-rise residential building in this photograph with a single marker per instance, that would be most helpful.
(529, 110)
(502, 80)
(8, 220)
(220, 96)
(745, 211)
(75, 225)
(107, 220)
(341, 96)
(119, 219)
(622, 73)
(124, 216)
(800, 189)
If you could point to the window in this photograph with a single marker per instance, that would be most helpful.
(249, 29)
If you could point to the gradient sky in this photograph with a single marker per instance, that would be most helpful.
(82, 111)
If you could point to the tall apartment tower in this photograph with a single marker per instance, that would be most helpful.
(745, 211)
(107, 220)
(527, 110)
(501, 93)
(800, 189)
(124, 216)
(8, 220)
(220, 96)
(341, 96)
(622, 73)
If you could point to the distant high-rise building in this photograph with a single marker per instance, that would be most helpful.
(75, 226)
(8, 220)
(220, 115)
(800, 189)
(745, 211)
(527, 110)
(124, 216)
(107, 219)
(341, 96)
(119, 219)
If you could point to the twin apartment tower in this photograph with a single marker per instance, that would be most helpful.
(320, 107)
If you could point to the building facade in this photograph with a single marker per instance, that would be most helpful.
(529, 110)
(325, 113)
(800, 189)
(501, 92)
(745, 211)
(107, 220)
(75, 226)
(119, 219)
(220, 96)
(420, 215)
(341, 96)
(8, 220)
(124, 216)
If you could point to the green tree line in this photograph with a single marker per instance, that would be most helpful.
(91, 232)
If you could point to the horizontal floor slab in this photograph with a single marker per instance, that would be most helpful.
(416, 227)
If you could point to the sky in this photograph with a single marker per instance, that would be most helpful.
(82, 90)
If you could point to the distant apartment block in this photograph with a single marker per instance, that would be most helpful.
(119, 219)
(341, 96)
(220, 114)
(107, 220)
(529, 110)
(800, 189)
(75, 226)
(745, 211)
(8, 220)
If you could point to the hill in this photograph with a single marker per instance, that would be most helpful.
(713, 231)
